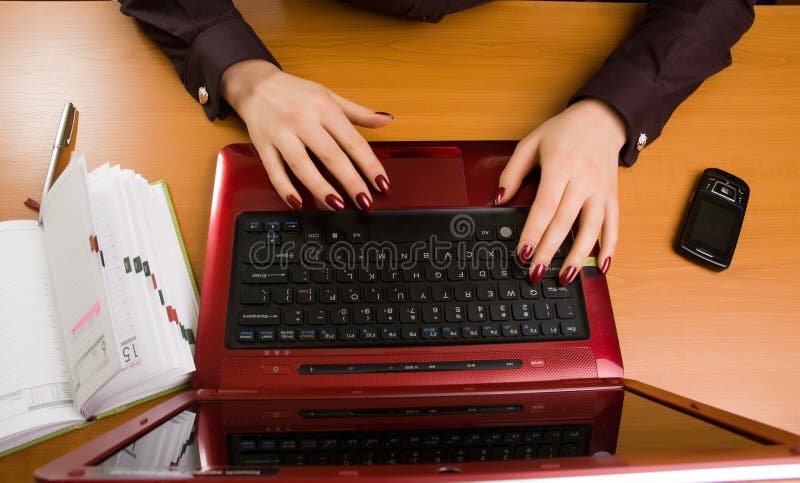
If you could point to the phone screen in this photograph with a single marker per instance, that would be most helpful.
(713, 225)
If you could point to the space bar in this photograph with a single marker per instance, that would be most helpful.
(410, 367)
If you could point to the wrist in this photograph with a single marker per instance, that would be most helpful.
(606, 118)
(241, 80)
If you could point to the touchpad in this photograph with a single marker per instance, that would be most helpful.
(423, 182)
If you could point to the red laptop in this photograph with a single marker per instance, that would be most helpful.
(421, 296)
(407, 343)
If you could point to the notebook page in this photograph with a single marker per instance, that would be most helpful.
(79, 284)
(142, 348)
(34, 382)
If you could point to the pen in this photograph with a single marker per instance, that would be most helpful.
(63, 138)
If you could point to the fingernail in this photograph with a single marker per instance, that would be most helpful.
(606, 265)
(364, 202)
(568, 276)
(32, 204)
(525, 254)
(383, 184)
(536, 275)
(294, 202)
(499, 196)
(384, 114)
(334, 202)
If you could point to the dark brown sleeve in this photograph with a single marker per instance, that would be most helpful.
(678, 45)
(202, 38)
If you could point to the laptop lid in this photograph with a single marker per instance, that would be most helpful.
(635, 432)
(425, 175)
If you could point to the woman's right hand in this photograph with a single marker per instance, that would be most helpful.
(285, 114)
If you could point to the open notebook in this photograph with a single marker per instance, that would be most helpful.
(98, 304)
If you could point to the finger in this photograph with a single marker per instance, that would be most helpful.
(548, 196)
(294, 152)
(360, 115)
(519, 165)
(556, 230)
(358, 150)
(276, 171)
(339, 165)
(591, 221)
(610, 233)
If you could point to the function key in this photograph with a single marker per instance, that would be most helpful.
(272, 225)
(335, 236)
(291, 226)
(253, 225)
(246, 336)
(357, 236)
(485, 233)
(313, 235)
(273, 237)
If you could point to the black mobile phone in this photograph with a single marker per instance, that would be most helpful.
(714, 219)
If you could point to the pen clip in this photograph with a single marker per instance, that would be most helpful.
(71, 127)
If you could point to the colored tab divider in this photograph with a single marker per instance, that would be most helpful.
(93, 312)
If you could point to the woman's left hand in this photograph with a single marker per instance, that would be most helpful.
(578, 152)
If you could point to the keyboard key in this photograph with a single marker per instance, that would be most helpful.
(550, 327)
(490, 331)
(486, 291)
(409, 333)
(430, 332)
(246, 336)
(508, 291)
(565, 309)
(431, 313)
(477, 313)
(254, 295)
(464, 293)
(449, 332)
(499, 311)
(470, 332)
(265, 316)
(308, 335)
(253, 226)
(418, 293)
(510, 330)
(327, 334)
(266, 335)
(268, 275)
(521, 311)
(389, 333)
(530, 329)
(543, 310)
(287, 335)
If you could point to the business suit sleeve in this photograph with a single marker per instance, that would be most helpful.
(202, 38)
(679, 44)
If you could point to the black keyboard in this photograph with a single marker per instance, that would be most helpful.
(408, 447)
(392, 278)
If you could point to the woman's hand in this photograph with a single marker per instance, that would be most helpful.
(578, 152)
(285, 114)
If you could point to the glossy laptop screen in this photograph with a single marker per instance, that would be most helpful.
(270, 437)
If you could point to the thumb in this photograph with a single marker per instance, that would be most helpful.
(360, 115)
(522, 161)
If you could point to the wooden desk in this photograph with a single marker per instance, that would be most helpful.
(728, 339)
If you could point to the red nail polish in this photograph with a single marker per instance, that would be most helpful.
(32, 204)
(384, 114)
(294, 202)
(334, 202)
(364, 202)
(499, 196)
(525, 254)
(606, 265)
(383, 184)
(536, 275)
(568, 276)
